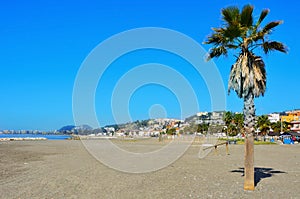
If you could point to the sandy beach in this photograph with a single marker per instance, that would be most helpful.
(64, 169)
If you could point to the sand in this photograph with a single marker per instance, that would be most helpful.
(64, 169)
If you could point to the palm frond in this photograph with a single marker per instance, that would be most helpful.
(260, 35)
(246, 16)
(235, 81)
(232, 32)
(274, 45)
(216, 52)
(231, 14)
(216, 39)
(271, 25)
(262, 16)
(232, 46)
(248, 74)
(255, 37)
(259, 74)
(218, 30)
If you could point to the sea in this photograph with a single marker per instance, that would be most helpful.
(49, 137)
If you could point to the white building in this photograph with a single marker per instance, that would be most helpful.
(274, 117)
(109, 129)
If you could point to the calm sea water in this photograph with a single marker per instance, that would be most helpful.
(49, 137)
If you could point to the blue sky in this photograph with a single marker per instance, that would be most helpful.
(43, 44)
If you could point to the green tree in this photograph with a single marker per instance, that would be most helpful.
(199, 128)
(247, 77)
(171, 131)
(202, 128)
(228, 117)
(263, 123)
(278, 127)
(238, 119)
(233, 122)
(232, 130)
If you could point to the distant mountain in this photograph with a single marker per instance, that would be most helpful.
(191, 118)
(66, 128)
(83, 127)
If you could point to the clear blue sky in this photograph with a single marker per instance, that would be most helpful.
(43, 44)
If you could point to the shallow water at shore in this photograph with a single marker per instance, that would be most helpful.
(46, 136)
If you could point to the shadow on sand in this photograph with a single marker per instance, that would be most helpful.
(259, 173)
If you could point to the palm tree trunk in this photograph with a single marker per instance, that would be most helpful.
(249, 122)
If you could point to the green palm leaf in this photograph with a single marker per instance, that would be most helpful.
(231, 15)
(217, 52)
(233, 31)
(270, 26)
(216, 39)
(262, 16)
(274, 45)
(246, 16)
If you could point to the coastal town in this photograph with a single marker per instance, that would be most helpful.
(219, 123)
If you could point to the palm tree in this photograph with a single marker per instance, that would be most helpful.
(247, 77)
(278, 127)
(263, 123)
(228, 117)
(232, 130)
(239, 121)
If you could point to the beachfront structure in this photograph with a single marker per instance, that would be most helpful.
(109, 129)
(215, 117)
(274, 117)
(295, 126)
(202, 114)
(291, 116)
(202, 117)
